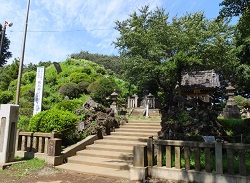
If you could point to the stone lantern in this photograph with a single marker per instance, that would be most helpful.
(231, 109)
(114, 96)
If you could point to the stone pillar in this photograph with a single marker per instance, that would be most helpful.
(136, 100)
(218, 156)
(54, 147)
(139, 170)
(8, 131)
(129, 102)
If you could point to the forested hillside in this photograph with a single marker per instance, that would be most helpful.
(78, 80)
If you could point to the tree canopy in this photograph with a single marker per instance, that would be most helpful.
(5, 53)
(233, 7)
(156, 51)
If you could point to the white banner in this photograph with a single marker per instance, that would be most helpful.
(38, 90)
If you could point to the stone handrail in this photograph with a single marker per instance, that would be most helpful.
(218, 147)
(33, 141)
(151, 164)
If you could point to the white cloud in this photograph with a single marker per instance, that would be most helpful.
(93, 18)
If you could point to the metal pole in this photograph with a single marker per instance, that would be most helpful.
(22, 55)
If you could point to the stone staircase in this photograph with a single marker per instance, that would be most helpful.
(112, 156)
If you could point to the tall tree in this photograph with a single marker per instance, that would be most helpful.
(242, 36)
(5, 53)
(233, 7)
(156, 51)
(242, 39)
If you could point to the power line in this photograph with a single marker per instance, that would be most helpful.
(80, 30)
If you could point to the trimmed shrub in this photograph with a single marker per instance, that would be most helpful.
(101, 89)
(69, 89)
(77, 77)
(54, 119)
(83, 87)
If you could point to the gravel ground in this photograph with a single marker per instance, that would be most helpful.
(51, 175)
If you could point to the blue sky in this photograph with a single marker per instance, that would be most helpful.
(58, 28)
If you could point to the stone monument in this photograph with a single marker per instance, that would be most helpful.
(8, 130)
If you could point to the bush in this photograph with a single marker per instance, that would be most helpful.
(23, 123)
(83, 87)
(77, 77)
(69, 89)
(5, 97)
(54, 119)
(28, 77)
(87, 70)
(68, 105)
(101, 89)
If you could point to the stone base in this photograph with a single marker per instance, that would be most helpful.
(138, 173)
(51, 160)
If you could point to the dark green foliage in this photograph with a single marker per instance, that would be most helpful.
(5, 97)
(54, 119)
(8, 74)
(87, 70)
(154, 50)
(233, 8)
(83, 86)
(101, 71)
(101, 89)
(69, 89)
(235, 128)
(5, 53)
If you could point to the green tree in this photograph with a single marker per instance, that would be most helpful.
(5, 53)
(233, 7)
(102, 89)
(156, 51)
(8, 74)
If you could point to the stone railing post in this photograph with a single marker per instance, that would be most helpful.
(218, 156)
(150, 151)
(54, 147)
(139, 170)
(129, 102)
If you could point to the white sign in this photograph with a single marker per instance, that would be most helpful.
(38, 90)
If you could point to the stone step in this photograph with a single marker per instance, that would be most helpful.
(104, 147)
(105, 154)
(149, 122)
(134, 126)
(138, 134)
(140, 130)
(119, 142)
(101, 162)
(95, 170)
(128, 138)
